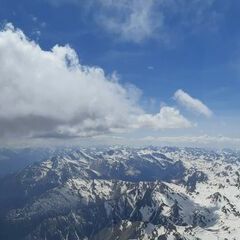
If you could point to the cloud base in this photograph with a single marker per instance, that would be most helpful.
(50, 94)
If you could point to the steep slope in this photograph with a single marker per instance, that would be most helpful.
(123, 193)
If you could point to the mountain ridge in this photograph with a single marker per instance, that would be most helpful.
(123, 193)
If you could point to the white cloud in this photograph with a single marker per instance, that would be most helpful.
(150, 68)
(131, 20)
(198, 141)
(139, 20)
(50, 94)
(168, 117)
(192, 103)
(165, 20)
(205, 141)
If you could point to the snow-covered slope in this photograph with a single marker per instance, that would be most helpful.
(124, 193)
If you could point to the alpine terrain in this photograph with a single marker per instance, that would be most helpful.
(121, 193)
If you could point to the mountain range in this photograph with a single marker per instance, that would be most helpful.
(120, 193)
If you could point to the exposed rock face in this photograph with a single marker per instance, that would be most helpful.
(122, 193)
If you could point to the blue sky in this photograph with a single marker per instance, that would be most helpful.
(157, 46)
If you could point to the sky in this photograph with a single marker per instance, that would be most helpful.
(120, 72)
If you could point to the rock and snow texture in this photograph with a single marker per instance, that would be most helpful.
(123, 193)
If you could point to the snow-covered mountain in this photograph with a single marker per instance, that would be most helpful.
(124, 193)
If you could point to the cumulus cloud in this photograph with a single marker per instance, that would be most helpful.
(51, 94)
(191, 103)
(168, 117)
